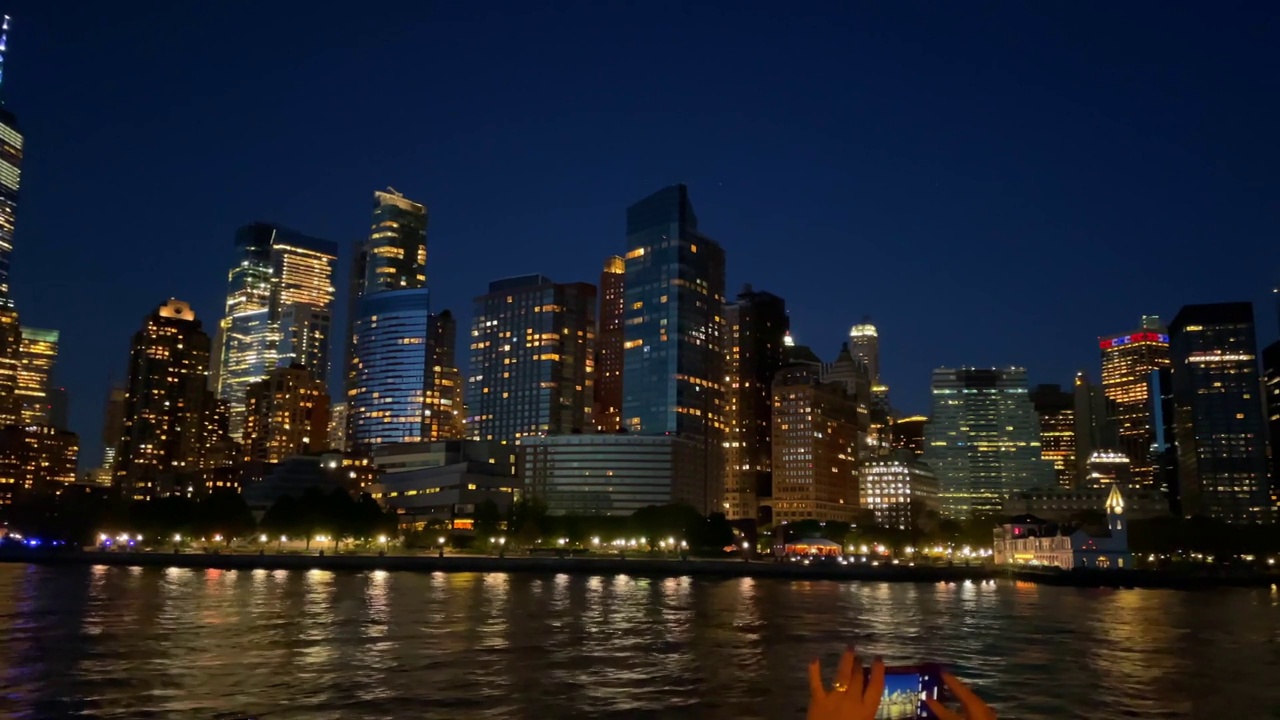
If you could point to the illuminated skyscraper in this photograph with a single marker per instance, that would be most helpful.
(338, 427)
(1129, 362)
(1218, 420)
(10, 180)
(532, 359)
(279, 308)
(390, 314)
(446, 416)
(983, 439)
(35, 374)
(1095, 429)
(608, 405)
(673, 348)
(855, 375)
(287, 414)
(815, 448)
(167, 401)
(1057, 412)
(864, 345)
(755, 327)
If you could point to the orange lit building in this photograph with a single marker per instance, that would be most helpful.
(286, 413)
(608, 413)
(1056, 409)
(815, 441)
(445, 414)
(1128, 364)
(35, 455)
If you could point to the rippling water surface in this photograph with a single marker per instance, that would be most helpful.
(132, 643)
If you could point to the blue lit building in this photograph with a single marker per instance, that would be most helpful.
(673, 359)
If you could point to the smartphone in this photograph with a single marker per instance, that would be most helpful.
(905, 689)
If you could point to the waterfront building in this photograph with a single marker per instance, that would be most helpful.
(295, 475)
(1129, 364)
(38, 353)
(1029, 540)
(35, 456)
(1219, 425)
(167, 406)
(673, 348)
(815, 448)
(614, 474)
(1067, 505)
(899, 489)
(756, 324)
(434, 485)
(608, 400)
(532, 359)
(1056, 410)
(445, 414)
(388, 359)
(278, 310)
(286, 413)
(983, 438)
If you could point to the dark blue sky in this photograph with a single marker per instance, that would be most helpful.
(994, 183)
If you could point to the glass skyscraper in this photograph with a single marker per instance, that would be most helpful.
(279, 307)
(388, 359)
(35, 374)
(10, 180)
(983, 439)
(673, 353)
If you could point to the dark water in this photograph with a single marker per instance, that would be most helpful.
(130, 643)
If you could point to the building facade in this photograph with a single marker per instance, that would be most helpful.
(1095, 429)
(532, 359)
(286, 413)
(673, 347)
(612, 474)
(1029, 540)
(1219, 426)
(899, 489)
(39, 352)
(983, 439)
(389, 317)
(855, 375)
(815, 448)
(609, 339)
(907, 433)
(1056, 410)
(445, 414)
(438, 485)
(755, 326)
(36, 457)
(1129, 364)
(1063, 505)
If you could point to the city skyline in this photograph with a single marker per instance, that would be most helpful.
(94, 337)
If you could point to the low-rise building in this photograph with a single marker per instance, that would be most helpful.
(898, 489)
(1062, 505)
(1033, 541)
(614, 474)
(440, 484)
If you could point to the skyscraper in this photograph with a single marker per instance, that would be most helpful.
(532, 359)
(39, 351)
(1056, 409)
(673, 351)
(390, 312)
(755, 325)
(1128, 363)
(1218, 418)
(608, 406)
(855, 375)
(279, 307)
(167, 400)
(815, 448)
(286, 414)
(446, 415)
(1271, 395)
(864, 345)
(10, 180)
(983, 439)
(1095, 429)
(112, 433)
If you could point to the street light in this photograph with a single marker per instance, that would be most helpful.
(440, 540)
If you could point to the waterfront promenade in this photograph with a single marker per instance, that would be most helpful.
(639, 567)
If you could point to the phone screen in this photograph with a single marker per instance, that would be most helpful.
(905, 690)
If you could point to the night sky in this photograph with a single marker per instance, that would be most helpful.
(993, 183)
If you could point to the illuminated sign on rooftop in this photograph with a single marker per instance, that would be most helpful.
(1140, 337)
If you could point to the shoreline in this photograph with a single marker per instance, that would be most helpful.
(643, 567)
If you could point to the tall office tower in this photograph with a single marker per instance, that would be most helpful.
(1095, 430)
(1218, 419)
(1128, 361)
(112, 433)
(532, 359)
(855, 375)
(864, 345)
(167, 401)
(338, 427)
(388, 327)
(279, 308)
(908, 434)
(755, 325)
(445, 416)
(10, 180)
(983, 439)
(1271, 396)
(286, 414)
(815, 448)
(673, 350)
(39, 351)
(59, 407)
(1056, 409)
(608, 405)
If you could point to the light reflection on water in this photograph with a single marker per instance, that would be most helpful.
(129, 643)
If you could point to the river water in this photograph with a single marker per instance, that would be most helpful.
(132, 643)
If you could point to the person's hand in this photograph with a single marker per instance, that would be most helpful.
(848, 699)
(974, 708)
